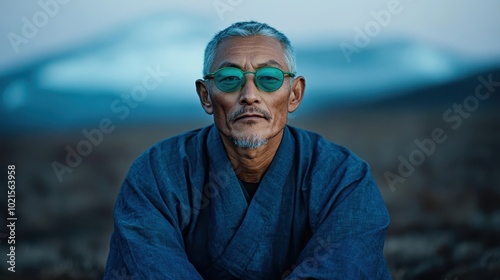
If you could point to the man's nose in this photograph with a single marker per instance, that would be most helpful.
(249, 93)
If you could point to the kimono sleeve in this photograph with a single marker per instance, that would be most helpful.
(147, 241)
(348, 231)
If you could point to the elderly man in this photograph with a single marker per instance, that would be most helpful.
(249, 197)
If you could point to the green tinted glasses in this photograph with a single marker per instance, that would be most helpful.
(231, 79)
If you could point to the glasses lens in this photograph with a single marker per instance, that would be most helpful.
(228, 79)
(269, 79)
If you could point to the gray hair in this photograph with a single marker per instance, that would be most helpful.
(248, 29)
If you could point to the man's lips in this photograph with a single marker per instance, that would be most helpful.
(247, 116)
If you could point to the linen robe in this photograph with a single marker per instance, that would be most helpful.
(182, 214)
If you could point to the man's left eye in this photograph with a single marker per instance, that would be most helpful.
(267, 78)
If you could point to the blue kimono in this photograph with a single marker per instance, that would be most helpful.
(182, 214)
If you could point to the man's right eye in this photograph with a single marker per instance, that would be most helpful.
(230, 79)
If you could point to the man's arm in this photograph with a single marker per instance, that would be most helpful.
(348, 239)
(147, 240)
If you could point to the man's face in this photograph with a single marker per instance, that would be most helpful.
(250, 114)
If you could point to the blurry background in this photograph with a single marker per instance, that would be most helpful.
(410, 86)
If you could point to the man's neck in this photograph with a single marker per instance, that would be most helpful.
(251, 164)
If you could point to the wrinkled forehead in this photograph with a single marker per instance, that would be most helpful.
(249, 53)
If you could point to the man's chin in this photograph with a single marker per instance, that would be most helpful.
(248, 129)
(252, 141)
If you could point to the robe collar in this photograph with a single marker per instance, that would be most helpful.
(237, 225)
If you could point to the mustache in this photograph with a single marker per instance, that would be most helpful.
(246, 110)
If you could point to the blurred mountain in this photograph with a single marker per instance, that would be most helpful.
(427, 97)
(93, 81)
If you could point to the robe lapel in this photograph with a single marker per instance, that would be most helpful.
(236, 228)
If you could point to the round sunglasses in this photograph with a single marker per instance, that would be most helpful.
(231, 79)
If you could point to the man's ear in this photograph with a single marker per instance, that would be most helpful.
(202, 90)
(298, 88)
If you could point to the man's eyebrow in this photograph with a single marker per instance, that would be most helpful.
(228, 64)
(271, 62)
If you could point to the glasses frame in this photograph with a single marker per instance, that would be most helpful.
(212, 76)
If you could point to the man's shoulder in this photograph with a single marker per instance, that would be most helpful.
(174, 149)
(314, 144)
(327, 169)
(324, 160)
(183, 140)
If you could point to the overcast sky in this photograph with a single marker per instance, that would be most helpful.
(466, 27)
